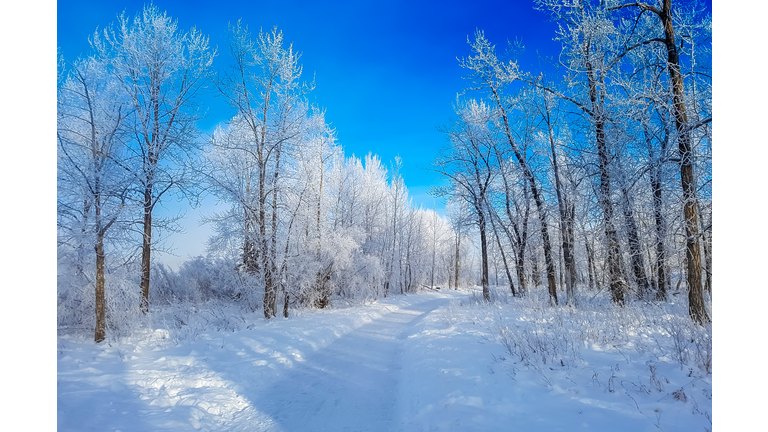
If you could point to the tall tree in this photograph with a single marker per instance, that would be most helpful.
(466, 164)
(263, 85)
(162, 71)
(492, 76)
(93, 184)
(666, 18)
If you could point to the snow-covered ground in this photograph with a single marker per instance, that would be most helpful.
(429, 362)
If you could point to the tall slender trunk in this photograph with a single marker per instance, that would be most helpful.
(566, 222)
(552, 285)
(590, 265)
(658, 214)
(456, 269)
(100, 330)
(153, 143)
(146, 248)
(503, 257)
(635, 249)
(696, 308)
(484, 252)
(275, 274)
(519, 240)
(270, 290)
(522, 245)
(615, 267)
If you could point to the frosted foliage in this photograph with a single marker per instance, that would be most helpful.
(303, 224)
(76, 302)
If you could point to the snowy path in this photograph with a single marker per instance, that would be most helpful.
(404, 364)
(329, 370)
(350, 385)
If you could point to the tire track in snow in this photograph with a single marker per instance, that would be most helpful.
(349, 385)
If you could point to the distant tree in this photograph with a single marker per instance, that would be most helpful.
(263, 85)
(467, 165)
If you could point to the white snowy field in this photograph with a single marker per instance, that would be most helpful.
(437, 361)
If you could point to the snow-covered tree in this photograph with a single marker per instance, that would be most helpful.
(93, 184)
(161, 71)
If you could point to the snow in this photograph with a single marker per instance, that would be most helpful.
(428, 362)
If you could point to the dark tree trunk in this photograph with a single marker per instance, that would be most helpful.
(519, 239)
(484, 252)
(635, 249)
(590, 266)
(549, 262)
(566, 222)
(696, 307)
(456, 276)
(658, 217)
(100, 331)
(503, 257)
(146, 248)
(615, 267)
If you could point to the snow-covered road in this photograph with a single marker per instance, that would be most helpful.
(406, 363)
(351, 384)
(328, 370)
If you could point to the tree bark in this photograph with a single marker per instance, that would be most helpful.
(146, 248)
(458, 246)
(658, 216)
(551, 284)
(696, 308)
(503, 257)
(635, 249)
(483, 251)
(590, 266)
(615, 267)
(566, 221)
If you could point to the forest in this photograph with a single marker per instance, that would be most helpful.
(596, 175)
(578, 196)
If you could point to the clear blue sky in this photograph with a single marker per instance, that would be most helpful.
(386, 72)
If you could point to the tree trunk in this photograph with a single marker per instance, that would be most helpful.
(696, 307)
(571, 241)
(590, 265)
(503, 258)
(566, 222)
(146, 248)
(615, 267)
(519, 240)
(552, 285)
(100, 330)
(484, 252)
(635, 249)
(456, 276)
(658, 217)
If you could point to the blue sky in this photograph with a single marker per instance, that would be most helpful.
(386, 72)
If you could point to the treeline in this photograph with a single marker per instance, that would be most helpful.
(595, 170)
(305, 224)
